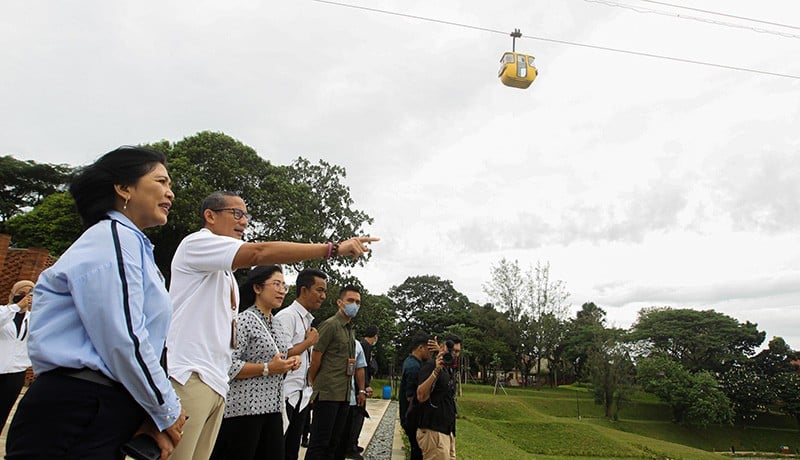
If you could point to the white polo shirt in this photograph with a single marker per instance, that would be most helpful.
(295, 321)
(199, 338)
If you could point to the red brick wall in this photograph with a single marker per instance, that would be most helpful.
(20, 264)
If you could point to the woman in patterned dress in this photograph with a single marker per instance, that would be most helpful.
(252, 427)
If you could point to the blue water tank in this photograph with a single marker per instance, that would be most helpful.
(387, 392)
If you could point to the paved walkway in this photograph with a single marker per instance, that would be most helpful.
(376, 407)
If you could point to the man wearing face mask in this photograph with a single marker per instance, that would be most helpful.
(333, 365)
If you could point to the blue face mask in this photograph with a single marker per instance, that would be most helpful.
(351, 310)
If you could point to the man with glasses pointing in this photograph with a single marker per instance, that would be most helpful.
(202, 334)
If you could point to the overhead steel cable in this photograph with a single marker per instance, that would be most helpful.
(722, 14)
(564, 42)
(643, 10)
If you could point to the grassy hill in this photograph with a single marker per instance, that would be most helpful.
(544, 424)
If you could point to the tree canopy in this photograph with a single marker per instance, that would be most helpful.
(27, 183)
(300, 202)
(698, 339)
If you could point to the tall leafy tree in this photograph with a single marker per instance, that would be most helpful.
(584, 333)
(28, 183)
(612, 373)
(301, 202)
(491, 347)
(537, 307)
(699, 340)
(763, 381)
(749, 391)
(695, 398)
(427, 304)
(507, 291)
(53, 224)
(548, 310)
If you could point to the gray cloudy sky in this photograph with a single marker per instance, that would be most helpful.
(642, 181)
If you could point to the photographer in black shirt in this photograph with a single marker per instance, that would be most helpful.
(437, 398)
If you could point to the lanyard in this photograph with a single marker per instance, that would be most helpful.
(267, 330)
(233, 308)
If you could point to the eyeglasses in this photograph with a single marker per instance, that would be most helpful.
(237, 213)
(279, 285)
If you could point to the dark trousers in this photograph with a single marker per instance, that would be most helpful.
(357, 423)
(250, 437)
(327, 429)
(62, 417)
(344, 446)
(411, 432)
(10, 386)
(297, 421)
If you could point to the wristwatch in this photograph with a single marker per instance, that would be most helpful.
(362, 392)
(265, 372)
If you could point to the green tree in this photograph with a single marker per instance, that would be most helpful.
(749, 391)
(548, 308)
(699, 340)
(584, 333)
(612, 372)
(536, 306)
(507, 292)
(695, 399)
(427, 304)
(27, 183)
(380, 311)
(53, 224)
(787, 388)
(494, 338)
(763, 381)
(301, 202)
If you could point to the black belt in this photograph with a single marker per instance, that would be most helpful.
(88, 375)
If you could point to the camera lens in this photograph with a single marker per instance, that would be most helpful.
(447, 358)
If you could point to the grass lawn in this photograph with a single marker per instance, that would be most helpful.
(544, 424)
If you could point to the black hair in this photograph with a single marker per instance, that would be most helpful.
(305, 279)
(215, 200)
(93, 186)
(452, 338)
(349, 288)
(420, 338)
(371, 331)
(247, 296)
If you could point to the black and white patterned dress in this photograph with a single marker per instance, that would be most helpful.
(258, 342)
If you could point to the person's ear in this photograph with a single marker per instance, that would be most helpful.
(209, 216)
(123, 191)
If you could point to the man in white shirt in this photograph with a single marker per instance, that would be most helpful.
(205, 298)
(295, 320)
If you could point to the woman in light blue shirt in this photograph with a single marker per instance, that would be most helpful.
(99, 322)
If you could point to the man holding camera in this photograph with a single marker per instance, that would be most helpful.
(436, 394)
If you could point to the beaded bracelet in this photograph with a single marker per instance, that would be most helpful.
(335, 250)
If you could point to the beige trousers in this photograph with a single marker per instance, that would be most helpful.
(435, 445)
(204, 409)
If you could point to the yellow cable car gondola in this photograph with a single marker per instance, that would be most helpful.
(517, 69)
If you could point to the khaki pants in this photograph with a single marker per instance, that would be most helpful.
(204, 409)
(435, 445)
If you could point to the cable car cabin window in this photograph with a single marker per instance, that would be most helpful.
(507, 59)
(530, 61)
(522, 69)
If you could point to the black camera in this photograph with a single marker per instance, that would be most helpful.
(449, 358)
